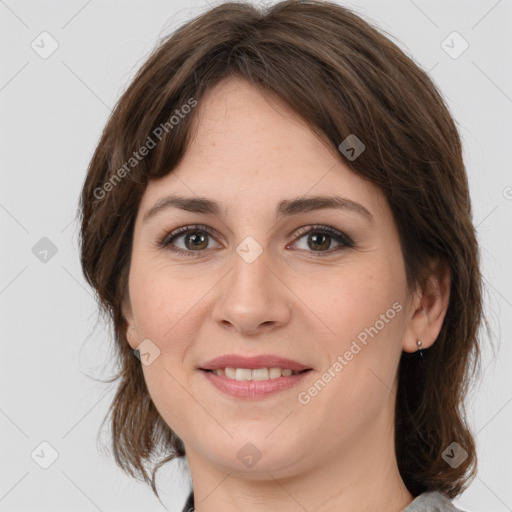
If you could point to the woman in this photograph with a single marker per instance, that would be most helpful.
(277, 222)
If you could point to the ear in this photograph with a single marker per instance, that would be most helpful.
(131, 333)
(428, 308)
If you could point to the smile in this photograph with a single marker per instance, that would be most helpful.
(255, 374)
(254, 383)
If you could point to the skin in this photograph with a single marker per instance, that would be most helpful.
(335, 453)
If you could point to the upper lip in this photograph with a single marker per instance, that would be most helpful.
(260, 361)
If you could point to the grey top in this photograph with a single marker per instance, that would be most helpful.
(432, 501)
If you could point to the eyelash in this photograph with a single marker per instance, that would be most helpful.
(165, 241)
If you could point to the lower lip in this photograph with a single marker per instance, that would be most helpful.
(254, 388)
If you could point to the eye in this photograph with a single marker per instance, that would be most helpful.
(319, 239)
(196, 238)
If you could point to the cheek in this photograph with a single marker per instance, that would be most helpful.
(347, 300)
(363, 311)
(163, 307)
(160, 298)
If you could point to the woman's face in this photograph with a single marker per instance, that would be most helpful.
(257, 278)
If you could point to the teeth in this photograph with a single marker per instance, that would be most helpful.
(243, 374)
(256, 374)
(274, 373)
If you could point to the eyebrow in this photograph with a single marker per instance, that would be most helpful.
(286, 207)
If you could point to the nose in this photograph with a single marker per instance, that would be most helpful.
(253, 298)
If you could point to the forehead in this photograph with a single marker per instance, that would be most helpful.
(238, 124)
(248, 146)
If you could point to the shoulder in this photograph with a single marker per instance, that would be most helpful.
(431, 501)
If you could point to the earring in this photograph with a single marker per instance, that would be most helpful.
(420, 350)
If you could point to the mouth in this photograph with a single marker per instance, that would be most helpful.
(252, 377)
(257, 362)
(254, 384)
(254, 374)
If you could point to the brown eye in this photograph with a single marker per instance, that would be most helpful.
(320, 238)
(319, 241)
(195, 239)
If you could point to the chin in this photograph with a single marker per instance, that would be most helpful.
(257, 458)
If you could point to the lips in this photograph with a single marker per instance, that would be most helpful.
(260, 361)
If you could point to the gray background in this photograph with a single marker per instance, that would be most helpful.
(53, 110)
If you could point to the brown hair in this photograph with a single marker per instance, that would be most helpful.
(343, 77)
